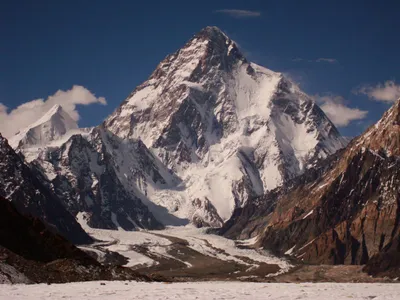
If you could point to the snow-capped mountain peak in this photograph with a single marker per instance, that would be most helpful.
(230, 129)
(51, 126)
(207, 132)
(217, 40)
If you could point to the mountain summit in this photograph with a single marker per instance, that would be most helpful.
(51, 126)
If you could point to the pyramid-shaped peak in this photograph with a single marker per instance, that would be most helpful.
(56, 108)
(51, 126)
(55, 112)
(218, 43)
(213, 33)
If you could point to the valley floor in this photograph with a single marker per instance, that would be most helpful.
(184, 253)
(200, 290)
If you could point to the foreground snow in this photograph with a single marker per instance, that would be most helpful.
(201, 290)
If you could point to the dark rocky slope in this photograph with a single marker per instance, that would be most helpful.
(39, 255)
(25, 187)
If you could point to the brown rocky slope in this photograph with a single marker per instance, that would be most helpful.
(346, 211)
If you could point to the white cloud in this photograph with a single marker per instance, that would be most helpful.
(318, 60)
(239, 13)
(336, 110)
(327, 60)
(387, 92)
(295, 76)
(27, 113)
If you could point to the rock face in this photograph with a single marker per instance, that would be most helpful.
(344, 211)
(29, 237)
(230, 129)
(25, 188)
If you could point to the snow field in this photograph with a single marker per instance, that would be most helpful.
(118, 290)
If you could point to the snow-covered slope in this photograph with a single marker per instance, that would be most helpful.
(230, 129)
(54, 124)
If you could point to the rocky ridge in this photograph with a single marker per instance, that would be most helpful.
(345, 211)
(26, 188)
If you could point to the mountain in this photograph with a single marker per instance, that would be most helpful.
(50, 127)
(83, 173)
(206, 132)
(228, 128)
(344, 211)
(79, 167)
(25, 187)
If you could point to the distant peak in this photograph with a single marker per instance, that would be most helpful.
(52, 112)
(51, 126)
(57, 108)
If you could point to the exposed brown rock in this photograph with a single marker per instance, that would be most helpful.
(345, 211)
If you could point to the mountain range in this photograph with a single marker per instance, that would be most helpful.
(215, 140)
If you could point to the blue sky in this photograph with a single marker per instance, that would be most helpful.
(346, 53)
